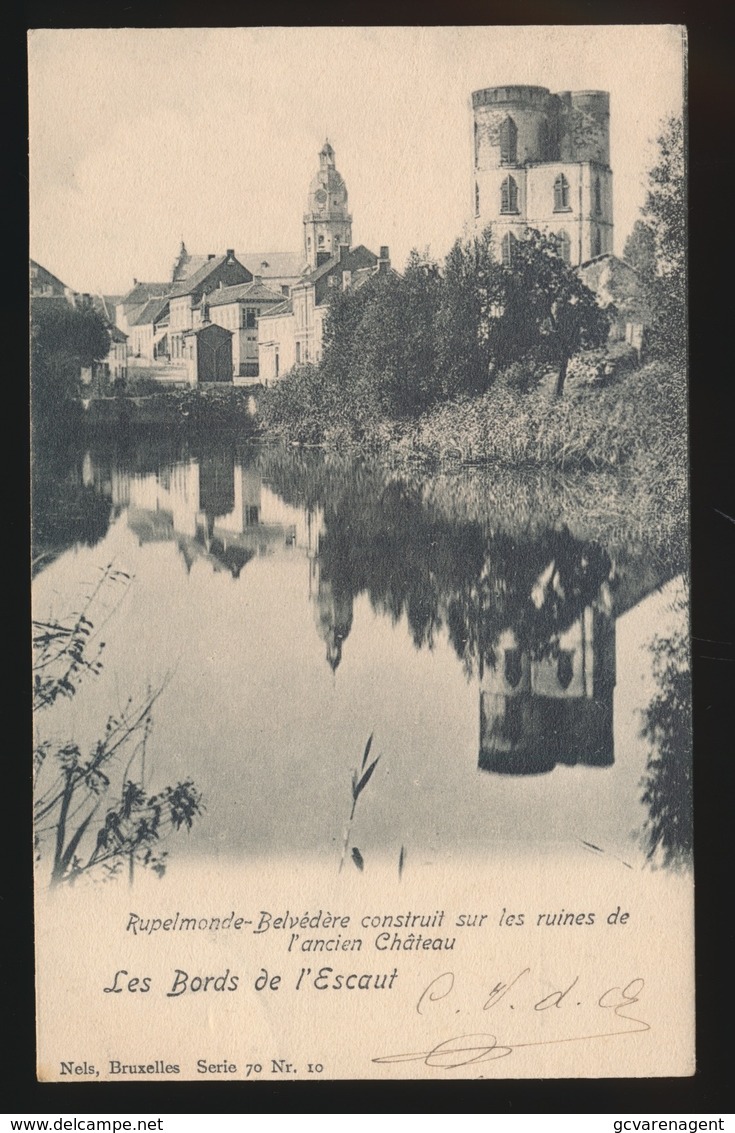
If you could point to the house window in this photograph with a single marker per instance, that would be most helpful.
(507, 245)
(477, 199)
(477, 143)
(598, 196)
(597, 243)
(298, 352)
(564, 246)
(565, 668)
(508, 142)
(509, 195)
(250, 319)
(321, 241)
(277, 363)
(561, 194)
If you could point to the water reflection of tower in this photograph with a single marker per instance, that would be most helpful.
(537, 712)
(333, 610)
(216, 486)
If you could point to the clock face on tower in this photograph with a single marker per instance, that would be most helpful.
(320, 196)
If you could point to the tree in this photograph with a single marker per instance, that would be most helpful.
(545, 310)
(640, 250)
(380, 343)
(63, 340)
(665, 212)
(472, 285)
(667, 783)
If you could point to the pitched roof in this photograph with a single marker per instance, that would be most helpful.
(191, 283)
(48, 275)
(352, 257)
(207, 327)
(116, 334)
(285, 308)
(153, 309)
(141, 292)
(272, 265)
(253, 292)
(269, 265)
(361, 276)
(105, 305)
(610, 258)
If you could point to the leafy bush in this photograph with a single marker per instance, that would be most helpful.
(93, 811)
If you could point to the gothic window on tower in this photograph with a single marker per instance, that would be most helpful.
(561, 194)
(508, 142)
(507, 245)
(544, 140)
(477, 199)
(597, 243)
(509, 195)
(564, 246)
(321, 241)
(598, 196)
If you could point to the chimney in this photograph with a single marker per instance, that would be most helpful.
(231, 252)
(384, 260)
(220, 285)
(135, 282)
(346, 280)
(211, 256)
(343, 250)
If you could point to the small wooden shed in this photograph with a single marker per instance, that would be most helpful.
(209, 354)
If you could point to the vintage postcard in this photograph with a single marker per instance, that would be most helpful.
(360, 553)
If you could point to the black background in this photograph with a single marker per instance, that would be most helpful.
(711, 63)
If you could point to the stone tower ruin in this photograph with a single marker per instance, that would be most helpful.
(542, 160)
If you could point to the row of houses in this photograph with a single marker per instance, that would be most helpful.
(247, 318)
(46, 288)
(271, 307)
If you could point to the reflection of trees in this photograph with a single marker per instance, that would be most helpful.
(667, 783)
(474, 582)
(526, 608)
(537, 586)
(65, 511)
(467, 575)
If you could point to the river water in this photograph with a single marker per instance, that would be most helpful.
(292, 604)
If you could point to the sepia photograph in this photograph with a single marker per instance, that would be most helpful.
(360, 523)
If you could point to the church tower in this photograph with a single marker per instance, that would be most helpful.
(327, 223)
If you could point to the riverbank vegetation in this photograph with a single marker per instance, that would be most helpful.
(94, 812)
(482, 361)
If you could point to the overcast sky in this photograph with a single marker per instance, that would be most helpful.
(142, 136)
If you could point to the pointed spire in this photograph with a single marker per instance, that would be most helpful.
(326, 156)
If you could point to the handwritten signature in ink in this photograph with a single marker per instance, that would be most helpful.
(468, 1049)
